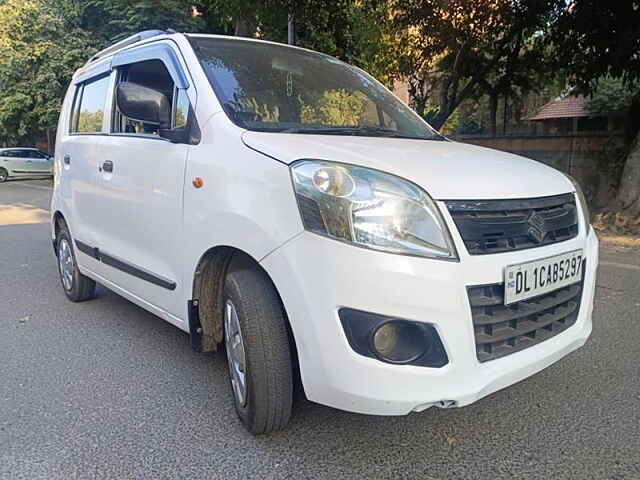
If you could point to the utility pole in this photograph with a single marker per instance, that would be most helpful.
(291, 30)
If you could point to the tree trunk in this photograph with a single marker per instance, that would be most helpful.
(245, 27)
(493, 114)
(440, 118)
(629, 190)
(49, 141)
(504, 115)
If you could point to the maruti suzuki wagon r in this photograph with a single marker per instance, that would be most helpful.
(286, 207)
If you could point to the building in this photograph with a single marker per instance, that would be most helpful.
(569, 115)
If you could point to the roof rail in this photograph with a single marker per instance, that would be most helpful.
(137, 37)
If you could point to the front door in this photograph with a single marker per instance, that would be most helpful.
(40, 163)
(140, 184)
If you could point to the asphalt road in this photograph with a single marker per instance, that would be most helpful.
(105, 390)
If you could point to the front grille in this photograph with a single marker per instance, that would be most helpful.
(493, 226)
(501, 330)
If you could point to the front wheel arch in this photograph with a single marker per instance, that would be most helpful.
(208, 286)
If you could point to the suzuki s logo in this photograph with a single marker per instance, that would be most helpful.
(537, 230)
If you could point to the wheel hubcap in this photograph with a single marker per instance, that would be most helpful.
(3, 176)
(65, 260)
(235, 353)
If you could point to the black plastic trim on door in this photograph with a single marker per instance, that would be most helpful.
(125, 267)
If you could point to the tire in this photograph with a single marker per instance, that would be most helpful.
(4, 175)
(268, 395)
(76, 286)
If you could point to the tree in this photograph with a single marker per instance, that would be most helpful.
(111, 20)
(596, 39)
(353, 30)
(41, 48)
(456, 49)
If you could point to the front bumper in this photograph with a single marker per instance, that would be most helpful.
(316, 276)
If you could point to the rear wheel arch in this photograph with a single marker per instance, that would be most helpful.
(59, 222)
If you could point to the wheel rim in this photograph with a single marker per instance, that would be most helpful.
(235, 353)
(3, 175)
(65, 260)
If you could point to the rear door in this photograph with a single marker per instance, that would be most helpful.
(14, 162)
(78, 150)
(140, 186)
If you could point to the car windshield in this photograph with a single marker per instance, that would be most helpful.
(275, 88)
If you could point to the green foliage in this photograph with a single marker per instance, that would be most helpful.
(111, 20)
(452, 124)
(41, 48)
(335, 107)
(355, 31)
(611, 95)
(595, 38)
(90, 121)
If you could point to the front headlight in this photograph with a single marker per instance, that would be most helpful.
(371, 209)
(586, 215)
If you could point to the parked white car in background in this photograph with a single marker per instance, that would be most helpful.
(285, 204)
(24, 162)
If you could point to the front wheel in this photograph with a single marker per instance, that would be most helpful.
(3, 175)
(258, 351)
(76, 286)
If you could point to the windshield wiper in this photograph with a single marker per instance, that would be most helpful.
(361, 130)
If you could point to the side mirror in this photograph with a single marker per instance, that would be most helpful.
(143, 104)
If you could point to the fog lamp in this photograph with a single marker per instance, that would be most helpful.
(399, 342)
(393, 340)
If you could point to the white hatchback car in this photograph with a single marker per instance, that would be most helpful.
(24, 162)
(285, 204)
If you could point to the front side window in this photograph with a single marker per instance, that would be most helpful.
(182, 106)
(152, 74)
(276, 88)
(90, 105)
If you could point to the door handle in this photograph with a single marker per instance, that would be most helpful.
(107, 166)
(66, 159)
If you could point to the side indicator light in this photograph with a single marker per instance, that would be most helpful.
(198, 182)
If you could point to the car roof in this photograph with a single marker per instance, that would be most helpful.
(251, 40)
(149, 36)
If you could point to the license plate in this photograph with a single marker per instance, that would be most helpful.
(527, 280)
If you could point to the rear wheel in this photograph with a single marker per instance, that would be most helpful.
(76, 286)
(3, 175)
(258, 351)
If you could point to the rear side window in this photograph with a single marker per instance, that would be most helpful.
(88, 111)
